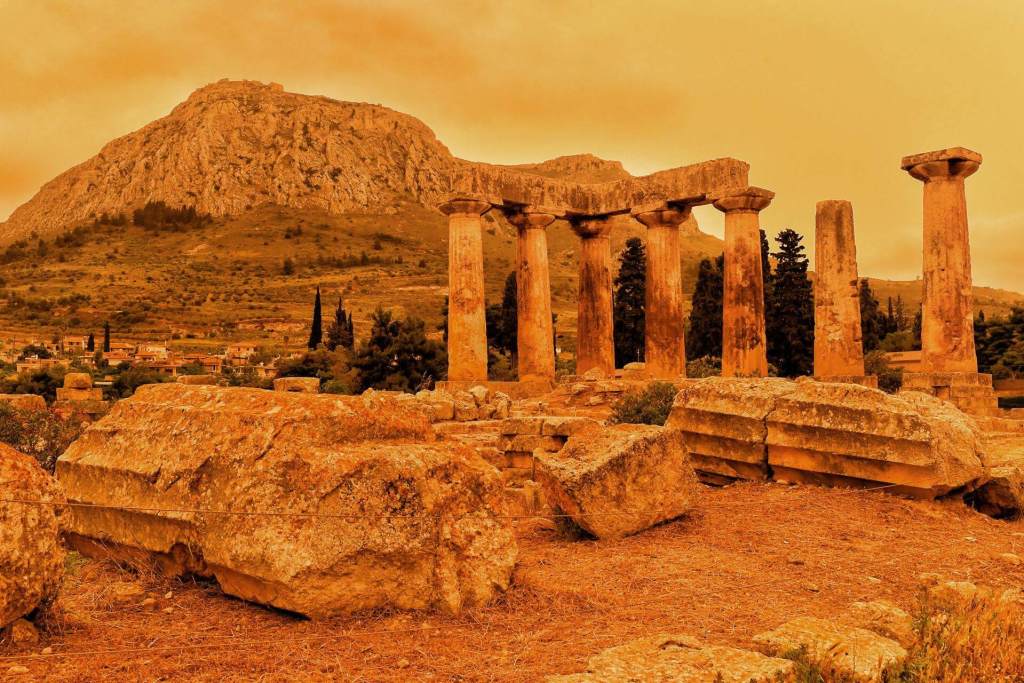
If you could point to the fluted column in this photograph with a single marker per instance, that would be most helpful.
(947, 321)
(744, 349)
(664, 336)
(594, 336)
(467, 323)
(535, 344)
(838, 347)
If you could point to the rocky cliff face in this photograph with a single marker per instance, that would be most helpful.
(233, 145)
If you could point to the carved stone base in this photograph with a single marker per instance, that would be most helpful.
(971, 392)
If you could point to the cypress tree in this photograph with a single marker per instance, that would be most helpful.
(502, 322)
(789, 314)
(628, 313)
(766, 264)
(316, 332)
(872, 322)
(704, 334)
(106, 337)
(339, 332)
(90, 345)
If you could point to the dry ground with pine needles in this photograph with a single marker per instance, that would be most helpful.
(752, 557)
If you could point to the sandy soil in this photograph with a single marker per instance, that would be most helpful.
(751, 558)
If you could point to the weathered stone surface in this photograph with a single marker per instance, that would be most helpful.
(318, 504)
(854, 651)
(723, 423)
(595, 351)
(679, 659)
(198, 379)
(31, 556)
(882, 617)
(845, 434)
(467, 326)
(838, 349)
(534, 325)
(24, 401)
(619, 480)
(77, 380)
(305, 385)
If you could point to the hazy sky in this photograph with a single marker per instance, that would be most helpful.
(821, 98)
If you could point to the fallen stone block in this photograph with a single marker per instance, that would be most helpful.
(723, 425)
(78, 380)
(849, 435)
(567, 426)
(679, 659)
(31, 555)
(881, 617)
(307, 385)
(619, 480)
(856, 652)
(24, 401)
(317, 504)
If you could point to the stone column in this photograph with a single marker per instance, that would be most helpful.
(744, 352)
(838, 348)
(664, 334)
(594, 341)
(947, 322)
(535, 343)
(467, 324)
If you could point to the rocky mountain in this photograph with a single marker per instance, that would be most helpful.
(235, 145)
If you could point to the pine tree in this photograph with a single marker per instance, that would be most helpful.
(106, 337)
(918, 317)
(704, 334)
(789, 309)
(872, 322)
(502, 319)
(398, 355)
(339, 332)
(628, 313)
(316, 332)
(90, 345)
(901, 315)
(890, 318)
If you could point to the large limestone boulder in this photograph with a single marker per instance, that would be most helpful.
(318, 504)
(31, 557)
(827, 433)
(680, 659)
(619, 480)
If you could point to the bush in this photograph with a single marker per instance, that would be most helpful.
(705, 366)
(898, 341)
(1000, 371)
(41, 434)
(890, 379)
(650, 406)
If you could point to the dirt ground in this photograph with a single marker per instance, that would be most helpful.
(752, 557)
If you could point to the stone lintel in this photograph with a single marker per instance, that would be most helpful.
(677, 204)
(950, 154)
(747, 199)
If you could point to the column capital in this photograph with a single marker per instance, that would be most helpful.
(587, 227)
(662, 216)
(750, 200)
(473, 205)
(943, 164)
(532, 217)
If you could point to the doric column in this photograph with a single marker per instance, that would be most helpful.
(467, 323)
(838, 348)
(594, 341)
(947, 322)
(744, 352)
(664, 335)
(535, 343)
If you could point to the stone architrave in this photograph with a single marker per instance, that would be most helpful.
(535, 344)
(467, 323)
(744, 348)
(947, 321)
(594, 332)
(664, 335)
(838, 348)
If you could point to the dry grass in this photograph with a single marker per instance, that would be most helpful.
(753, 557)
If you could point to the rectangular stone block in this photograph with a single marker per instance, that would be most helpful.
(522, 425)
(566, 426)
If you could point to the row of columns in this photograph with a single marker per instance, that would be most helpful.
(665, 349)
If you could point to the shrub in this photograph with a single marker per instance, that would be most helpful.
(1000, 371)
(705, 366)
(41, 434)
(890, 379)
(650, 406)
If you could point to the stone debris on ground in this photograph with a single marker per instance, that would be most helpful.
(679, 659)
(856, 652)
(619, 480)
(31, 554)
(317, 504)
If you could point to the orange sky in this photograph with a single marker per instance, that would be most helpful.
(822, 98)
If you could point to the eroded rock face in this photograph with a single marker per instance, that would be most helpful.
(619, 480)
(361, 508)
(827, 433)
(31, 556)
(679, 659)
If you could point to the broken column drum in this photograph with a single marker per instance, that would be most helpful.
(838, 347)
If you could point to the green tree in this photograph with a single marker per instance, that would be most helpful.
(340, 333)
(872, 322)
(316, 330)
(789, 310)
(398, 356)
(90, 345)
(766, 264)
(704, 334)
(628, 303)
(502, 320)
(106, 337)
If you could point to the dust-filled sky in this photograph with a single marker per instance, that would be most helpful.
(821, 97)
